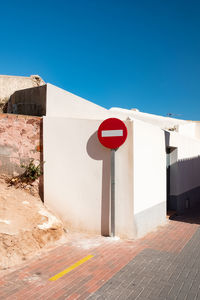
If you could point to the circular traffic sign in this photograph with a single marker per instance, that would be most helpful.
(112, 133)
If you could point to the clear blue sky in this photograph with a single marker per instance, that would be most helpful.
(125, 53)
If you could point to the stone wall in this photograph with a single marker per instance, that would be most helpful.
(10, 84)
(20, 141)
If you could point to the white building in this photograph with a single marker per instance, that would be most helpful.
(77, 166)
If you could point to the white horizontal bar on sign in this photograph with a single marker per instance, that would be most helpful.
(106, 133)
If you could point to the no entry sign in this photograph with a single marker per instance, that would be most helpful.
(112, 133)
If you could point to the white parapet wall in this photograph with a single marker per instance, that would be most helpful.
(149, 177)
(60, 103)
(159, 121)
(188, 130)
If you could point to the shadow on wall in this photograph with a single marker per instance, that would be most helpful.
(96, 151)
(167, 136)
(186, 181)
(30, 101)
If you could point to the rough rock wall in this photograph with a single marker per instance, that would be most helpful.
(10, 84)
(20, 141)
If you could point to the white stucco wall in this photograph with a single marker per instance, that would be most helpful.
(77, 176)
(159, 121)
(188, 129)
(149, 177)
(188, 150)
(187, 147)
(60, 103)
(197, 130)
(174, 173)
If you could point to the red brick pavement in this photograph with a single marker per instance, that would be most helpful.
(31, 281)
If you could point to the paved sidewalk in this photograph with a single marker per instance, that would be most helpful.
(165, 264)
(157, 274)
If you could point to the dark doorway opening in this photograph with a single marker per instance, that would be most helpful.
(171, 169)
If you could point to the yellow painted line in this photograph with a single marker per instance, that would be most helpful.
(72, 267)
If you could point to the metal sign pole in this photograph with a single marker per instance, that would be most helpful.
(112, 233)
(112, 133)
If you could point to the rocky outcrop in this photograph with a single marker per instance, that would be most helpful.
(26, 225)
(11, 84)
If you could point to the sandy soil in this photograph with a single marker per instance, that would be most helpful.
(26, 225)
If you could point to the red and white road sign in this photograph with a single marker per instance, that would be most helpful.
(112, 133)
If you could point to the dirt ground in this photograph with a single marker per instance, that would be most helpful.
(26, 225)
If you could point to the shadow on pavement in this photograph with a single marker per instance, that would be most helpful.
(192, 216)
